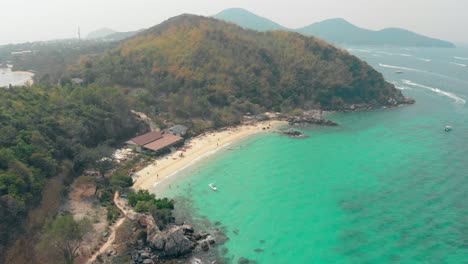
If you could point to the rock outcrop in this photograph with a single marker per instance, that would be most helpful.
(147, 244)
(309, 120)
(177, 241)
(294, 134)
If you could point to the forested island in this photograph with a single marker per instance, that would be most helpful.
(197, 71)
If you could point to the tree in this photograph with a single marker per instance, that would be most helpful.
(120, 180)
(64, 236)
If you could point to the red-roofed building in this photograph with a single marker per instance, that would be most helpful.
(154, 141)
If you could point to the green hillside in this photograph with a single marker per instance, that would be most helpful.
(203, 68)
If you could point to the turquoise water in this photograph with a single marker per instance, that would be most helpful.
(386, 186)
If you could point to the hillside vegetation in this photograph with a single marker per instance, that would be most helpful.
(42, 127)
(205, 69)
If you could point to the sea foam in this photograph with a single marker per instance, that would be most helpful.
(458, 64)
(399, 68)
(458, 100)
(461, 58)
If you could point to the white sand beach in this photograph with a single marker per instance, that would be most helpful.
(197, 149)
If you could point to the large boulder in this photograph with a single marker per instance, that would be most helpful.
(173, 243)
(147, 223)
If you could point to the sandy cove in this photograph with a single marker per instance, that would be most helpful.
(198, 148)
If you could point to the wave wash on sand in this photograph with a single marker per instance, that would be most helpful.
(199, 148)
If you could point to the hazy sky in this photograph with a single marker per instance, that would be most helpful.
(31, 20)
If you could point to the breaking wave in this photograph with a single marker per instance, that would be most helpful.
(461, 58)
(386, 53)
(458, 100)
(403, 55)
(422, 59)
(399, 68)
(458, 64)
(399, 87)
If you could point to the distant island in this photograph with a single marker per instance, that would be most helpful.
(338, 31)
(110, 34)
(100, 33)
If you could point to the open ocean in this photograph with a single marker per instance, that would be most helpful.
(386, 186)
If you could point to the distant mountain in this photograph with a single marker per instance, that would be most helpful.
(341, 31)
(100, 33)
(337, 31)
(248, 20)
(117, 36)
(111, 35)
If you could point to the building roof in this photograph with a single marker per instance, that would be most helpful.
(166, 140)
(77, 80)
(147, 138)
(178, 129)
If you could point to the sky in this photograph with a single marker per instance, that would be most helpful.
(33, 20)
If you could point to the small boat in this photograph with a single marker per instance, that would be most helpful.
(399, 72)
(448, 128)
(213, 187)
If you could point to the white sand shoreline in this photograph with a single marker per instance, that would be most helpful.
(202, 147)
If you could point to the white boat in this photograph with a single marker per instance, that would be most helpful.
(213, 187)
(448, 128)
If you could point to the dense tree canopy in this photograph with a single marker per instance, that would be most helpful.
(40, 127)
(206, 69)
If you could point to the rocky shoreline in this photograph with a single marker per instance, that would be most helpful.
(142, 242)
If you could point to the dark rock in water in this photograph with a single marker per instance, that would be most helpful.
(203, 235)
(262, 241)
(259, 250)
(224, 251)
(294, 134)
(204, 246)
(217, 223)
(210, 240)
(243, 260)
(309, 120)
(235, 231)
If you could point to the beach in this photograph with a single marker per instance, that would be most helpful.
(197, 149)
(15, 78)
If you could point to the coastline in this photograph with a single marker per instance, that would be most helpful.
(201, 147)
(16, 78)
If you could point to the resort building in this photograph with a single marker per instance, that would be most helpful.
(156, 141)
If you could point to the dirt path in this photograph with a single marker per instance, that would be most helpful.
(126, 213)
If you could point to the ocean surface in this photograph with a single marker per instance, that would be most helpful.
(8, 77)
(386, 186)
